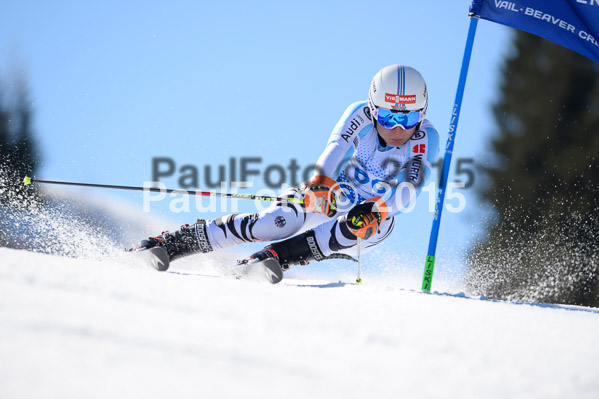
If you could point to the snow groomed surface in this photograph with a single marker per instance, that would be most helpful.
(74, 328)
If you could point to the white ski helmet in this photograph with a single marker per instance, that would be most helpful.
(398, 88)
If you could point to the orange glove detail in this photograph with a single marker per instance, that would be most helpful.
(321, 195)
(364, 219)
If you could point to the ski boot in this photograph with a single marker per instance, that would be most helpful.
(185, 241)
(297, 250)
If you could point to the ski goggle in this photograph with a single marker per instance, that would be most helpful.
(407, 120)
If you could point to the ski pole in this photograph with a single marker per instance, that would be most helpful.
(28, 180)
(429, 265)
(359, 279)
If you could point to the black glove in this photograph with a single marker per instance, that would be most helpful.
(364, 219)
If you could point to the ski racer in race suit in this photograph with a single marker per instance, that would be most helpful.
(377, 159)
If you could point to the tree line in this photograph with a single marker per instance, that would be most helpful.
(18, 150)
(542, 180)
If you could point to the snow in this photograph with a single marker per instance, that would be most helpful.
(81, 327)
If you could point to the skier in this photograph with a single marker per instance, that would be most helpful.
(377, 159)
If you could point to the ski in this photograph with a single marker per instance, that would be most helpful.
(155, 257)
(268, 269)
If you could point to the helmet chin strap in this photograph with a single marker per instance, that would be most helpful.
(382, 141)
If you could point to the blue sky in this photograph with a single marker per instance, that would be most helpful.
(116, 84)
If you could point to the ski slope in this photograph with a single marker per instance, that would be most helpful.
(98, 328)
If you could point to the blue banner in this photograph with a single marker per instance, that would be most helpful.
(571, 23)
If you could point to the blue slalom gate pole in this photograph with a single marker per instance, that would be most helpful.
(429, 266)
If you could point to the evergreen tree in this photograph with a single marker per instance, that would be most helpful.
(17, 151)
(543, 180)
